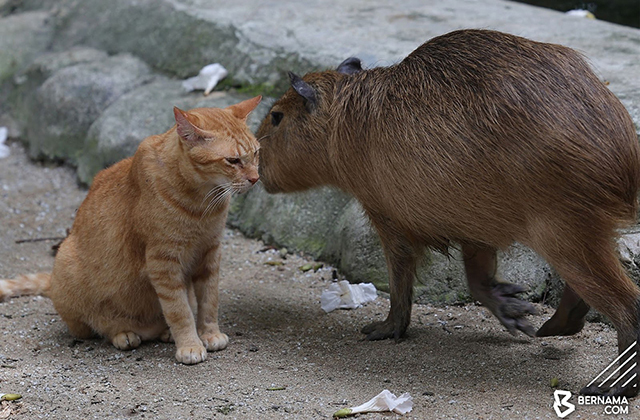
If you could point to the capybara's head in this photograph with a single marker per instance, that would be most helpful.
(293, 136)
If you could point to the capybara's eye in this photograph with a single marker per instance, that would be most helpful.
(276, 117)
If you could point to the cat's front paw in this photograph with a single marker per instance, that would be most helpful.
(215, 341)
(190, 355)
(126, 340)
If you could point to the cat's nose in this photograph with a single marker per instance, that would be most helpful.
(253, 180)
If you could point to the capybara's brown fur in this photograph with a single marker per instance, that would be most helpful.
(479, 138)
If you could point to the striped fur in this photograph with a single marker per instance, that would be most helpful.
(141, 261)
(26, 284)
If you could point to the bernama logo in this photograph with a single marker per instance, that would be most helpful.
(612, 404)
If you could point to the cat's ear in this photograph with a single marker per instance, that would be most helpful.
(304, 90)
(351, 65)
(186, 129)
(241, 111)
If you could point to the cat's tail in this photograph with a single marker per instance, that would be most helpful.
(26, 284)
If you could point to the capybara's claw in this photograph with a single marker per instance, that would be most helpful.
(511, 312)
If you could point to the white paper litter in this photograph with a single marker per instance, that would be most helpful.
(384, 401)
(344, 295)
(581, 13)
(4, 149)
(207, 79)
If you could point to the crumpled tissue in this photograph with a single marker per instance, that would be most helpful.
(344, 295)
(4, 149)
(581, 13)
(384, 401)
(207, 79)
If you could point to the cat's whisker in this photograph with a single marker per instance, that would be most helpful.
(222, 193)
(217, 199)
(217, 188)
(214, 193)
(263, 137)
(222, 199)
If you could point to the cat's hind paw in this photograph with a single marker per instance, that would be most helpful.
(126, 340)
(215, 341)
(166, 336)
(190, 355)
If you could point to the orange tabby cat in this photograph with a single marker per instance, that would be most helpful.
(144, 250)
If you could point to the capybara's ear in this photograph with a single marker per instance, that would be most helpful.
(351, 65)
(304, 90)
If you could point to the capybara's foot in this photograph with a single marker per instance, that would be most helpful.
(126, 340)
(569, 317)
(625, 382)
(215, 341)
(550, 330)
(556, 326)
(382, 330)
(511, 311)
(617, 391)
(190, 355)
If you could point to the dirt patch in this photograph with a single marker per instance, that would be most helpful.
(286, 357)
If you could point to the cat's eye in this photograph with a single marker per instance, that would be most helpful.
(276, 117)
(233, 161)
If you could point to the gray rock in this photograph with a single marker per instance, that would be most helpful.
(140, 113)
(67, 103)
(27, 80)
(23, 37)
(174, 37)
(46, 64)
(353, 245)
(301, 221)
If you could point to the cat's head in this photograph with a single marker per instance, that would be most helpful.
(220, 149)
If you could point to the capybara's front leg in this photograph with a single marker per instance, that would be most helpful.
(401, 259)
(480, 263)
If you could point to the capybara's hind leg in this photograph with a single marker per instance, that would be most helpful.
(401, 258)
(480, 263)
(569, 317)
(592, 269)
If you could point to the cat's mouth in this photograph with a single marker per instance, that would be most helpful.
(244, 186)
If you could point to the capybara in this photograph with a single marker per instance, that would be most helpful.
(478, 138)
